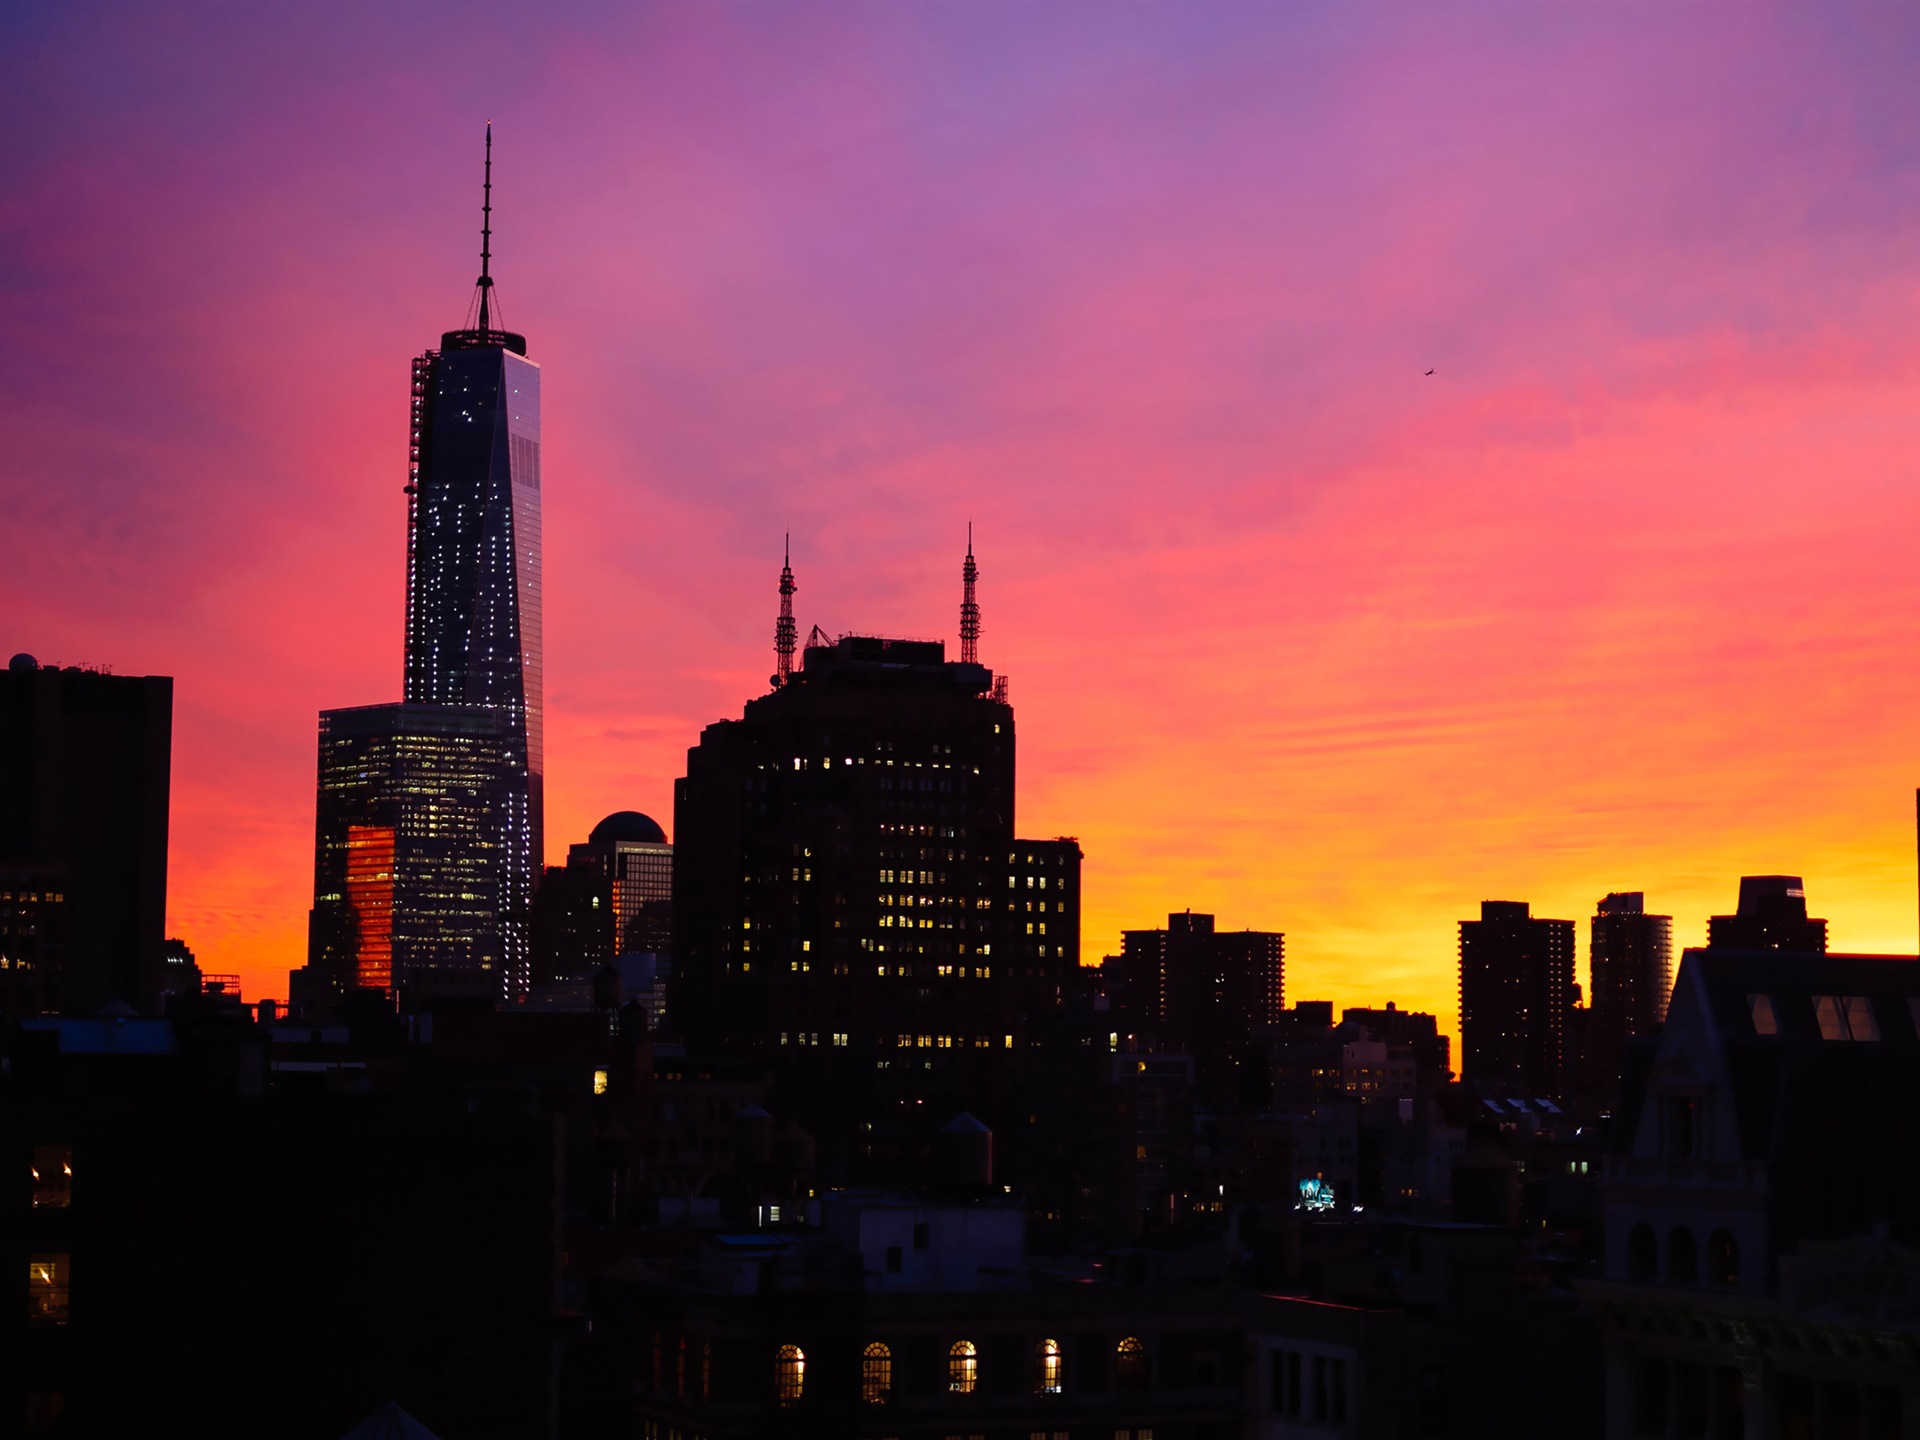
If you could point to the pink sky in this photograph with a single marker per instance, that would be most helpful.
(1621, 597)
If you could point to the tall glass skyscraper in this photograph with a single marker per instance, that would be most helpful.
(448, 911)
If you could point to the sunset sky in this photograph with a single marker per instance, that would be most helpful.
(1622, 596)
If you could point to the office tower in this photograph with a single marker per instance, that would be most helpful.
(1206, 991)
(473, 544)
(630, 852)
(1631, 967)
(1772, 915)
(846, 877)
(1516, 986)
(413, 888)
(85, 761)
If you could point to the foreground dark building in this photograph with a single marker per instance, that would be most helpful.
(1516, 988)
(851, 902)
(85, 778)
(1762, 1274)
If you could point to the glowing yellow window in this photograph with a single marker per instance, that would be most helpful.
(790, 1374)
(1130, 1362)
(963, 1367)
(1049, 1368)
(599, 1082)
(876, 1374)
(47, 1290)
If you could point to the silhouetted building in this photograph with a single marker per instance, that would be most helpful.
(1631, 963)
(1516, 986)
(85, 762)
(1208, 991)
(631, 852)
(1772, 916)
(850, 900)
(573, 926)
(1417, 1033)
(413, 893)
(1763, 1204)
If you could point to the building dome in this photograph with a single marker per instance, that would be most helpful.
(23, 661)
(628, 825)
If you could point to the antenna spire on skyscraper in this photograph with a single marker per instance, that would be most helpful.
(486, 238)
(783, 631)
(969, 607)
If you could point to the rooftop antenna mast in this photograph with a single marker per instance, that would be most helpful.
(486, 239)
(969, 607)
(783, 631)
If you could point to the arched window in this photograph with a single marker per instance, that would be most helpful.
(1130, 1363)
(1048, 1369)
(790, 1374)
(1643, 1257)
(876, 1374)
(1683, 1256)
(963, 1367)
(1723, 1258)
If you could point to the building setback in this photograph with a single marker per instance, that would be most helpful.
(85, 775)
(1516, 987)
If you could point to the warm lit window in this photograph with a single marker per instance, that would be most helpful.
(1130, 1362)
(963, 1367)
(1764, 1020)
(790, 1374)
(52, 1177)
(876, 1374)
(599, 1082)
(47, 1290)
(1048, 1368)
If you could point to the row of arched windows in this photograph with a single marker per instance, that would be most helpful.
(1683, 1256)
(963, 1369)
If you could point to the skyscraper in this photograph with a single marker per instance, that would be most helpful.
(1631, 961)
(630, 851)
(851, 904)
(472, 645)
(1516, 986)
(411, 885)
(85, 776)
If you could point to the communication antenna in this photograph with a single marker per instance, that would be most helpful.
(486, 239)
(783, 631)
(969, 607)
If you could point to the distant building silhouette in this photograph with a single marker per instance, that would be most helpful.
(1209, 992)
(85, 776)
(630, 851)
(1631, 960)
(412, 891)
(1772, 916)
(1516, 987)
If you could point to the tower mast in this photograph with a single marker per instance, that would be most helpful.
(969, 607)
(486, 238)
(783, 631)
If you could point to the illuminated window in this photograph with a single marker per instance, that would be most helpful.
(1048, 1368)
(789, 1374)
(599, 1082)
(963, 1367)
(52, 1177)
(1130, 1362)
(876, 1374)
(47, 1290)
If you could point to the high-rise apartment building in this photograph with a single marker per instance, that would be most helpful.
(85, 778)
(1207, 991)
(851, 903)
(1516, 987)
(1631, 968)
(412, 886)
(472, 643)
(1772, 915)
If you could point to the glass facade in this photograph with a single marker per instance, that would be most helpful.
(419, 884)
(473, 553)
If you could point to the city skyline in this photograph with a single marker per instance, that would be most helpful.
(1299, 635)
